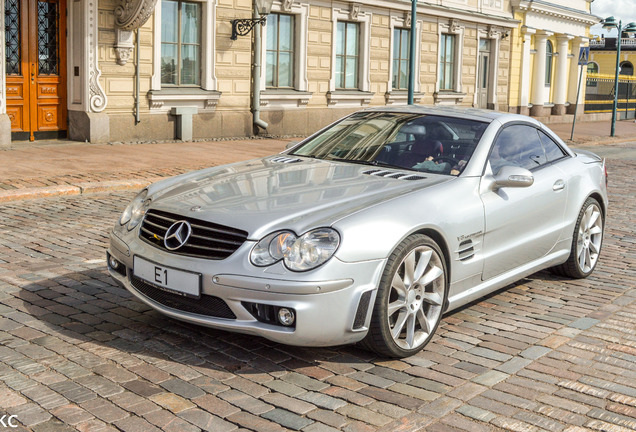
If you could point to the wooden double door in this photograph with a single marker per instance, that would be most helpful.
(35, 38)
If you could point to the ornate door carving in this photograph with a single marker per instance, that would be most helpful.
(35, 36)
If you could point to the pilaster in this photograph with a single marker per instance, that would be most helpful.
(538, 74)
(5, 122)
(562, 72)
(526, 75)
(573, 84)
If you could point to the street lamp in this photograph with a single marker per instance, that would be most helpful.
(241, 27)
(411, 82)
(608, 24)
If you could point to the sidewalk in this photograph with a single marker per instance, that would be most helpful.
(41, 169)
(37, 170)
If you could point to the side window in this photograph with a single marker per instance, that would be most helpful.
(517, 145)
(552, 150)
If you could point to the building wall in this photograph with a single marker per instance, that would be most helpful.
(230, 115)
(606, 60)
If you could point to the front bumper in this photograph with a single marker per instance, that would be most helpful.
(327, 300)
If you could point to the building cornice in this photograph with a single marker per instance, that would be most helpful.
(426, 9)
(555, 11)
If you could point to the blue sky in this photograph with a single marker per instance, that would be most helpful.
(624, 10)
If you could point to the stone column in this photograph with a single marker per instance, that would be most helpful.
(574, 77)
(538, 74)
(5, 122)
(526, 76)
(86, 119)
(561, 85)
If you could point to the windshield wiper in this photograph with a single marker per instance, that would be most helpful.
(371, 163)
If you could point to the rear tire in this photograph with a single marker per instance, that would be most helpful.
(587, 240)
(410, 299)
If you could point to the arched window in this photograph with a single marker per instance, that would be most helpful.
(627, 68)
(549, 52)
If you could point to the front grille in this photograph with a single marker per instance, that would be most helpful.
(208, 240)
(207, 305)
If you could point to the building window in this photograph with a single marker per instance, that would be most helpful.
(400, 58)
(280, 51)
(549, 52)
(447, 62)
(347, 55)
(626, 68)
(592, 68)
(180, 43)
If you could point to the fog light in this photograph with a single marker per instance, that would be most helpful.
(113, 263)
(286, 317)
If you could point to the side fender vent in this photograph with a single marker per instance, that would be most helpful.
(466, 250)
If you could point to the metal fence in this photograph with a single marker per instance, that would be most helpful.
(599, 95)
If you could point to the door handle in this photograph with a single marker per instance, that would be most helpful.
(558, 185)
(32, 72)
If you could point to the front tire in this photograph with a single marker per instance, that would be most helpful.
(410, 299)
(586, 242)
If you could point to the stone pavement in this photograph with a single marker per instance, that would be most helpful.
(79, 353)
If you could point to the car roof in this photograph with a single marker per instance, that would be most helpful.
(483, 115)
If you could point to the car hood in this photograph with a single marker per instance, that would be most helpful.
(281, 192)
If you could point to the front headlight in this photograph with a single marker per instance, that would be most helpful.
(135, 210)
(298, 253)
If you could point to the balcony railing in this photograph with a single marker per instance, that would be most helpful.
(625, 42)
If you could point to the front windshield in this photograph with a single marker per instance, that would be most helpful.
(424, 143)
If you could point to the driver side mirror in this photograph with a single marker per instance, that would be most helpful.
(511, 176)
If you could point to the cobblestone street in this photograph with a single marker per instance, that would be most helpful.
(78, 352)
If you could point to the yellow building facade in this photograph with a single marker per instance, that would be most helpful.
(544, 55)
(603, 56)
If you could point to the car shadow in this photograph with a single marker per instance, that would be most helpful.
(87, 309)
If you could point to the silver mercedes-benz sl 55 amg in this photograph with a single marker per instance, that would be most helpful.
(367, 231)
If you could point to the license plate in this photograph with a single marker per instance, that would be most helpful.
(167, 278)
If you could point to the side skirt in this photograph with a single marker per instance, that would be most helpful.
(507, 278)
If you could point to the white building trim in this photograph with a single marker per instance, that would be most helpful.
(206, 97)
(362, 95)
(299, 96)
(402, 20)
(455, 95)
(494, 35)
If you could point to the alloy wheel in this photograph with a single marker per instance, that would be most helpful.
(416, 297)
(589, 238)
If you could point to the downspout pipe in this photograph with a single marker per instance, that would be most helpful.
(137, 115)
(256, 77)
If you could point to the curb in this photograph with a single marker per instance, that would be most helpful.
(76, 189)
(600, 142)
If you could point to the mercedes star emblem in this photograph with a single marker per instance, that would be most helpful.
(177, 235)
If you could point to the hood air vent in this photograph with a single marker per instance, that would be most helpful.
(393, 174)
(284, 159)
